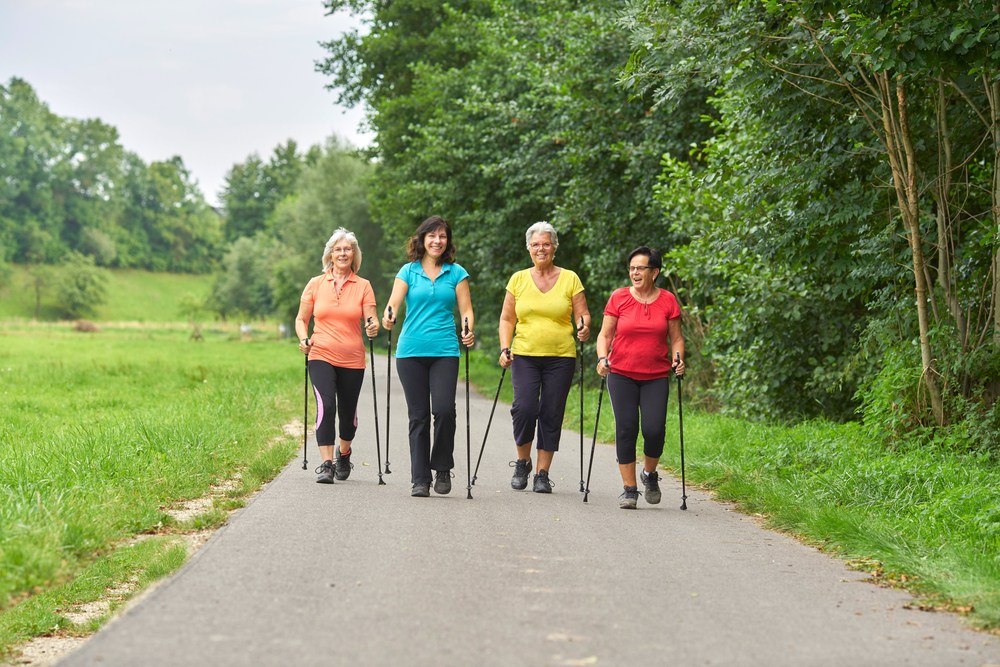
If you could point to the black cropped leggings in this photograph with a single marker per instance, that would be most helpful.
(337, 390)
(630, 399)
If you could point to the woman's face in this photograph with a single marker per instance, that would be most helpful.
(541, 249)
(342, 255)
(436, 243)
(642, 275)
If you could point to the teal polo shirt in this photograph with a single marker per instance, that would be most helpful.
(429, 328)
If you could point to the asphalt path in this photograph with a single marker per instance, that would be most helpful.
(360, 574)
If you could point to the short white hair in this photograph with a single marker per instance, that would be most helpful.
(337, 237)
(541, 228)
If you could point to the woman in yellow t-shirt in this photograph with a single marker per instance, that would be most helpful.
(543, 302)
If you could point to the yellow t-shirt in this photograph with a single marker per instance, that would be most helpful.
(544, 321)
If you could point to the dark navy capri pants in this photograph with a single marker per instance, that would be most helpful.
(630, 399)
(541, 385)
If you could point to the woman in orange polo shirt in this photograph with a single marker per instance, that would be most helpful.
(340, 303)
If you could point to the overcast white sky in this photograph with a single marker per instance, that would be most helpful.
(209, 80)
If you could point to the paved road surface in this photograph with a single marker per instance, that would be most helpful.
(360, 574)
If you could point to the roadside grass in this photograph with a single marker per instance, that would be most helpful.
(101, 433)
(924, 519)
(132, 296)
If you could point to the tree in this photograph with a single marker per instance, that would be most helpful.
(81, 286)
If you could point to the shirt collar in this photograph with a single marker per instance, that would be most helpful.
(350, 279)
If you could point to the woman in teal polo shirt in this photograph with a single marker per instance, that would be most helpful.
(427, 353)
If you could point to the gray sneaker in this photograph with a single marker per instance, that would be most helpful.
(344, 465)
(325, 472)
(421, 490)
(542, 483)
(629, 499)
(522, 468)
(652, 484)
(442, 482)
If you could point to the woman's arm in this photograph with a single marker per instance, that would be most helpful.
(508, 320)
(676, 345)
(399, 290)
(580, 310)
(604, 339)
(302, 325)
(464, 300)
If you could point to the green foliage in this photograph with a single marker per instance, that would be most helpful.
(81, 286)
(68, 184)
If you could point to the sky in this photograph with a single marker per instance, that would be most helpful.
(210, 80)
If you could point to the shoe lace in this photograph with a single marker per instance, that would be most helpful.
(324, 466)
(519, 467)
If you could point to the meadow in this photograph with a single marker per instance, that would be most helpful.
(102, 432)
(132, 296)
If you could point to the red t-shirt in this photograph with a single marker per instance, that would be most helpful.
(641, 347)
(336, 335)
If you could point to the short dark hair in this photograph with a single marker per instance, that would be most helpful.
(652, 255)
(415, 250)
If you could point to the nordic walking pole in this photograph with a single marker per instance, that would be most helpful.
(506, 351)
(468, 427)
(305, 414)
(581, 408)
(680, 421)
(378, 447)
(597, 420)
(388, 385)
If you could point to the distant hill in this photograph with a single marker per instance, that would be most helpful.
(133, 296)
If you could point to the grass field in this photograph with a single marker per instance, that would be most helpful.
(133, 296)
(103, 432)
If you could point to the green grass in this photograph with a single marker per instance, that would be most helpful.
(932, 515)
(101, 432)
(133, 296)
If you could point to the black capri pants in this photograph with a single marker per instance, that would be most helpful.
(630, 399)
(337, 390)
(429, 384)
(541, 385)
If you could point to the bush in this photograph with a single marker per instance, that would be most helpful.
(82, 286)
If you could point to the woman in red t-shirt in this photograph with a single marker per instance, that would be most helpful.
(339, 302)
(643, 321)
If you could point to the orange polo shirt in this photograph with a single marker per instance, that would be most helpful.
(337, 329)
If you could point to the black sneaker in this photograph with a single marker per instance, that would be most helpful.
(542, 483)
(442, 482)
(522, 468)
(344, 465)
(652, 483)
(325, 472)
(421, 490)
(629, 499)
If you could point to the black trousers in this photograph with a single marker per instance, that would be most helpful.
(337, 390)
(541, 385)
(630, 399)
(429, 384)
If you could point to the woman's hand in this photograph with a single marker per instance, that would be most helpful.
(387, 320)
(371, 328)
(583, 334)
(505, 358)
(304, 345)
(469, 339)
(602, 367)
(678, 367)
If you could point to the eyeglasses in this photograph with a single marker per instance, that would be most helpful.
(342, 251)
(640, 269)
(540, 246)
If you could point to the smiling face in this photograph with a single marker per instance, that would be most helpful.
(541, 249)
(436, 243)
(642, 275)
(342, 255)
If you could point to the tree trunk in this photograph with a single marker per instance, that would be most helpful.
(942, 197)
(902, 159)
